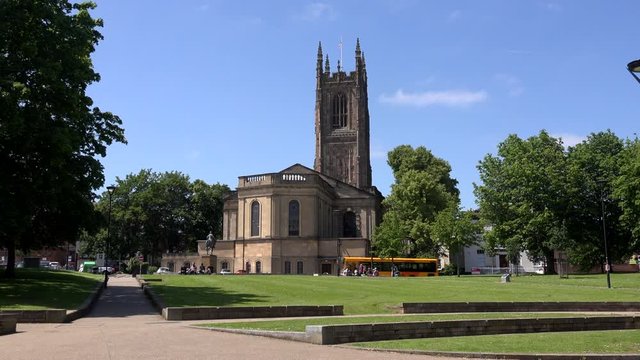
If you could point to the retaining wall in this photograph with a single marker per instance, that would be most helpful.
(8, 324)
(215, 312)
(340, 334)
(419, 308)
(38, 316)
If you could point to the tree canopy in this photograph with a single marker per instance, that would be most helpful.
(423, 187)
(157, 212)
(51, 135)
(539, 197)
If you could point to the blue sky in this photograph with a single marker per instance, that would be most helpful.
(221, 89)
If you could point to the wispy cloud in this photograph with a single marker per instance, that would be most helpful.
(453, 98)
(454, 16)
(570, 139)
(552, 6)
(316, 11)
(511, 83)
(378, 154)
(192, 155)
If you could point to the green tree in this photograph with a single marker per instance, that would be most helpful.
(51, 137)
(626, 189)
(158, 212)
(593, 166)
(423, 187)
(523, 196)
(455, 229)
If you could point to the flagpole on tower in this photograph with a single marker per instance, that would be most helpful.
(340, 46)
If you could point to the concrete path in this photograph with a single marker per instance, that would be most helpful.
(123, 325)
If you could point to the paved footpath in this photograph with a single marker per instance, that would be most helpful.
(123, 325)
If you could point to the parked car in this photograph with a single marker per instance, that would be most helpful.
(101, 269)
(54, 265)
(241, 272)
(163, 270)
(225, 272)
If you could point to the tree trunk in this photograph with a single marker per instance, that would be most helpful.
(10, 272)
(551, 268)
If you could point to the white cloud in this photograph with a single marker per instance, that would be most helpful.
(511, 83)
(570, 139)
(453, 98)
(316, 11)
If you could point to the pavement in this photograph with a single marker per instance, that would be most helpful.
(124, 325)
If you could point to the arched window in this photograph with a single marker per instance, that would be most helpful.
(255, 218)
(294, 218)
(287, 267)
(247, 267)
(225, 265)
(258, 267)
(299, 268)
(339, 111)
(349, 227)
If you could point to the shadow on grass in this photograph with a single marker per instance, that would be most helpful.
(205, 296)
(34, 288)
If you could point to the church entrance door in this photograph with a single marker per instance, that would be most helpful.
(326, 269)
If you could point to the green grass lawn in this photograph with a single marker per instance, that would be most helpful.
(41, 289)
(298, 325)
(385, 295)
(582, 342)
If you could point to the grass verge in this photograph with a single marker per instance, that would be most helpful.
(298, 325)
(385, 295)
(583, 342)
(34, 289)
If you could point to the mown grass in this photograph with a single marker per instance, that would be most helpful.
(298, 325)
(385, 295)
(582, 342)
(35, 289)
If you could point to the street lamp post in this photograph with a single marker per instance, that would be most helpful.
(110, 189)
(634, 68)
(607, 265)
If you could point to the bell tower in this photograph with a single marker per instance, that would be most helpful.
(342, 122)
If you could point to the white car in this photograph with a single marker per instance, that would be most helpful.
(54, 265)
(163, 270)
(225, 272)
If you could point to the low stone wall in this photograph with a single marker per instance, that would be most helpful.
(8, 324)
(37, 316)
(340, 334)
(214, 312)
(420, 308)
(86, 306)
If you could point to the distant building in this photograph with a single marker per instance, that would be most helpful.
(301, 220)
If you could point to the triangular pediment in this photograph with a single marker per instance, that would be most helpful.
(298, 169)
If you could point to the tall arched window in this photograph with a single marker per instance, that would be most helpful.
(349, 226)
(339, 111)
(299, 267)
(225, 265)
(294, 218)
(255, 218)
(247, 267)
(258, 267)
(287, 267)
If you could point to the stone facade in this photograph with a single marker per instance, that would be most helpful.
(301, 220)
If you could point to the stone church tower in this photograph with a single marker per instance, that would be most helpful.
(342, 122)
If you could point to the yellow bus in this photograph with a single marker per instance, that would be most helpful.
(385, 266)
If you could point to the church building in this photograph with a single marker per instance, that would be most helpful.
(301, 220)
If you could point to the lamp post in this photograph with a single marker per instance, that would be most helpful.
(110, 190)
(607, 265)
(634, 68)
